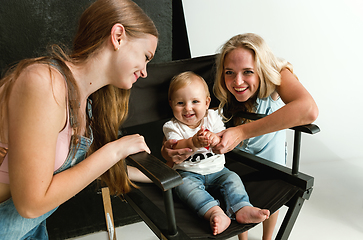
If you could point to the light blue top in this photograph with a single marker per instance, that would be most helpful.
(271, 146)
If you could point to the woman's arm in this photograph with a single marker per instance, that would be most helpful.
(300, 109)
(136, 175)
(37, 113)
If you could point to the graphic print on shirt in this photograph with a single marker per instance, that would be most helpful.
(199, 157)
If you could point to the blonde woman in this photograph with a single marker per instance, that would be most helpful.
(59, 117)
(250, 78)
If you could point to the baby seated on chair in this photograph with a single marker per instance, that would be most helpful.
(194, 126)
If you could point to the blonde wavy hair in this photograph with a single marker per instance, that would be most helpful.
(110, 104)
(268, 68)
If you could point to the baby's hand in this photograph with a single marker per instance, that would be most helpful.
(213, 139)
(207, 138)
(200, 139)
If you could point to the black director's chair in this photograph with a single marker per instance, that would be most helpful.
(269, 185)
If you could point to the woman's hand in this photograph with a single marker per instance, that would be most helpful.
(230, 138)
(174, 156)
(128, 145)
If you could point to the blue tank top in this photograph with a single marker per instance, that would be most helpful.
(271, 146)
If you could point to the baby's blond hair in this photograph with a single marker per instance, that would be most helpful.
(183, 79)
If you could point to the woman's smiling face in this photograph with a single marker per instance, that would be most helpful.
(240, 75)
(132, 59)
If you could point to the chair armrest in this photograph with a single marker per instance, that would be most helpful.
(161, 174)
(301, 180)
(309, 128)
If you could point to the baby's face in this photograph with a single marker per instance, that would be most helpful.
(190, 104)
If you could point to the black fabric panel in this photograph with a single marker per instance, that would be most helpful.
(181, 49)
(27, 27)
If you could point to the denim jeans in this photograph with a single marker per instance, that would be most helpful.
(14, 226)
(195, 191)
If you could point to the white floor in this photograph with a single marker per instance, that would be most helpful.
(334, 211)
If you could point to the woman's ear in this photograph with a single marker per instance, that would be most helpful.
(117, 35)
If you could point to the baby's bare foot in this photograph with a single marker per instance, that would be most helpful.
(219, 222)
(250, 214)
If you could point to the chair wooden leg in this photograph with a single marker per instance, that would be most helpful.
(290, 219)
(108, 213)
(170, 214)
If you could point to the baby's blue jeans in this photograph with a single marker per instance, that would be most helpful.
(196, 187)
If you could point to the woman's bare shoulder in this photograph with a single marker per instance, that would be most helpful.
(42, 79)
(39, 91)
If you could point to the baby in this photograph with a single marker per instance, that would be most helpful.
(194, 126)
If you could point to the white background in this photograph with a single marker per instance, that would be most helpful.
(323, 39)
